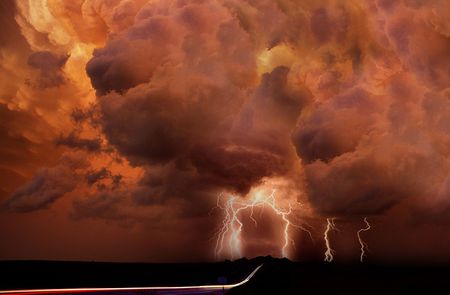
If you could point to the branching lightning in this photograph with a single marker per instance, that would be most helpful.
(229, 233)
(329, 252)
(363, 244)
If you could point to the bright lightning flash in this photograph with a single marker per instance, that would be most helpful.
(329, 252)
(363, 244)
(229, 234)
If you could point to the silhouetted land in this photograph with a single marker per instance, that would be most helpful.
(277, 276)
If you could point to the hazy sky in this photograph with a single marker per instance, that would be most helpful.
(122, 121)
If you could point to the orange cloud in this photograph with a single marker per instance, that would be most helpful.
(168, 103)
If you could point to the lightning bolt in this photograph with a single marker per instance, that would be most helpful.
(229, 233)
(329, 252)
(363, 244)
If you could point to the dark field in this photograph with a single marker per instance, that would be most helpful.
(277, 276)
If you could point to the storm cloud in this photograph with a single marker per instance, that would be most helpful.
(173, 102)
(193, 103)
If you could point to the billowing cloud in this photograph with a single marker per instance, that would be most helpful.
(173, 102)
(186, 93)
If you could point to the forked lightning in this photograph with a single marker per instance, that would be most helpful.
(229, 235)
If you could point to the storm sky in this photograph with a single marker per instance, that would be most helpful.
(121, 121)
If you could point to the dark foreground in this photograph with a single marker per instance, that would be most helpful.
(276, 276)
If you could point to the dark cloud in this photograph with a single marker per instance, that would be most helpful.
(336, 126)
(209, 148)
(102, 175)
(237, 168)
(49, 66)
(46, 61)
(179, 103)
(206, 119)
(80, 115)
(73, 140)
(365, 154)
(48, 185)
(345, 102)
(94, 176)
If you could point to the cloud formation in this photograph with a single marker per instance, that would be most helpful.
(48, 185)
(172, 102)
(49, 66)
(349, 112)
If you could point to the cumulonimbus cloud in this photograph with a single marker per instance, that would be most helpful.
(348, 101)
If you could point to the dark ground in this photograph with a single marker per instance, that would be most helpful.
(277, 276)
